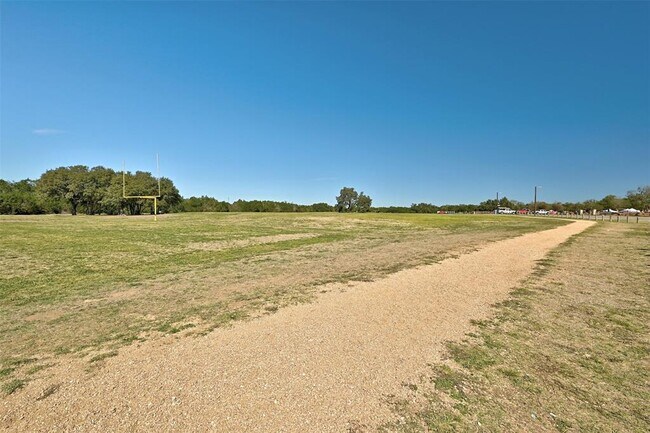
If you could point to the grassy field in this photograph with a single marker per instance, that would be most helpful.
(84, 286)
(569, 352)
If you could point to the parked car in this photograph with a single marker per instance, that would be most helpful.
(610, 212)
(542, 212)
(505, 210)
(630, 211)
(523, 211)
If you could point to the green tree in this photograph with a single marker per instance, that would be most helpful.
(141, 183)
(610, 202)
(203, 204)
(20, 198)
(347, 200)
(169, 196)
(571, 207)
(424, 208)
(557, 206)
(95, 187)
(363, 203)
(321, 207)
(640, 198)
(505, 202)
(589, 205)
(488, 205)
(112, 203)
(65, 183)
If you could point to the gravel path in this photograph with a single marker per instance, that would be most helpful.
(323, 366)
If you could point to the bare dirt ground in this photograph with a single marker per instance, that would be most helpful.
(323, 366)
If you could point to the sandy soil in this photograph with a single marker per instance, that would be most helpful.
(323, 366)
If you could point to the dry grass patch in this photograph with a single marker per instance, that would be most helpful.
(109, 281)
(239, 243)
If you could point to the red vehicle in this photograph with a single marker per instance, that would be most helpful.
(523, 211)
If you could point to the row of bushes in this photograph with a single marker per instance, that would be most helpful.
(210, 204)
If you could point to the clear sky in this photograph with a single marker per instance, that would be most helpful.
(437, 102)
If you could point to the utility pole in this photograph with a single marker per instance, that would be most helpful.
(535, 206)
(497, 209)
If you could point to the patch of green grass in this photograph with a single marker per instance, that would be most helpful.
(8, 365)
(103, 356)
(36, 368)
(444, 420)
(470, 356)
(450, 382)
(229, 316)
(518, 379)
(168, 328)
(13, 385)
(62, 350)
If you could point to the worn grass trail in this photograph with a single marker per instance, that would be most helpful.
(323, 366)
(568, 351)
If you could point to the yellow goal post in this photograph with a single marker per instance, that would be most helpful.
(154, 197)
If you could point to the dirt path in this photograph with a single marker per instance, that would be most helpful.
(324, 366)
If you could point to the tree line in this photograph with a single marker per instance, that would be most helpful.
(93, 191)
(98, 190)
(210, 204)
(348, 200)
(638, 199)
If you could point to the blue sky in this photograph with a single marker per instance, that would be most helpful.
(409, 102)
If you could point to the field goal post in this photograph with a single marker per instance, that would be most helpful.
(154, 197)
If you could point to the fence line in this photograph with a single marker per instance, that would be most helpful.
(601, 217)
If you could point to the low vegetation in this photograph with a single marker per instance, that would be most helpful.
(99, 190)
(84, 286)
(568, 352)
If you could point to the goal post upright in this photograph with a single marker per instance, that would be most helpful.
(154, 197)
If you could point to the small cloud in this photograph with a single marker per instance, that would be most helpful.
(47, 131)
